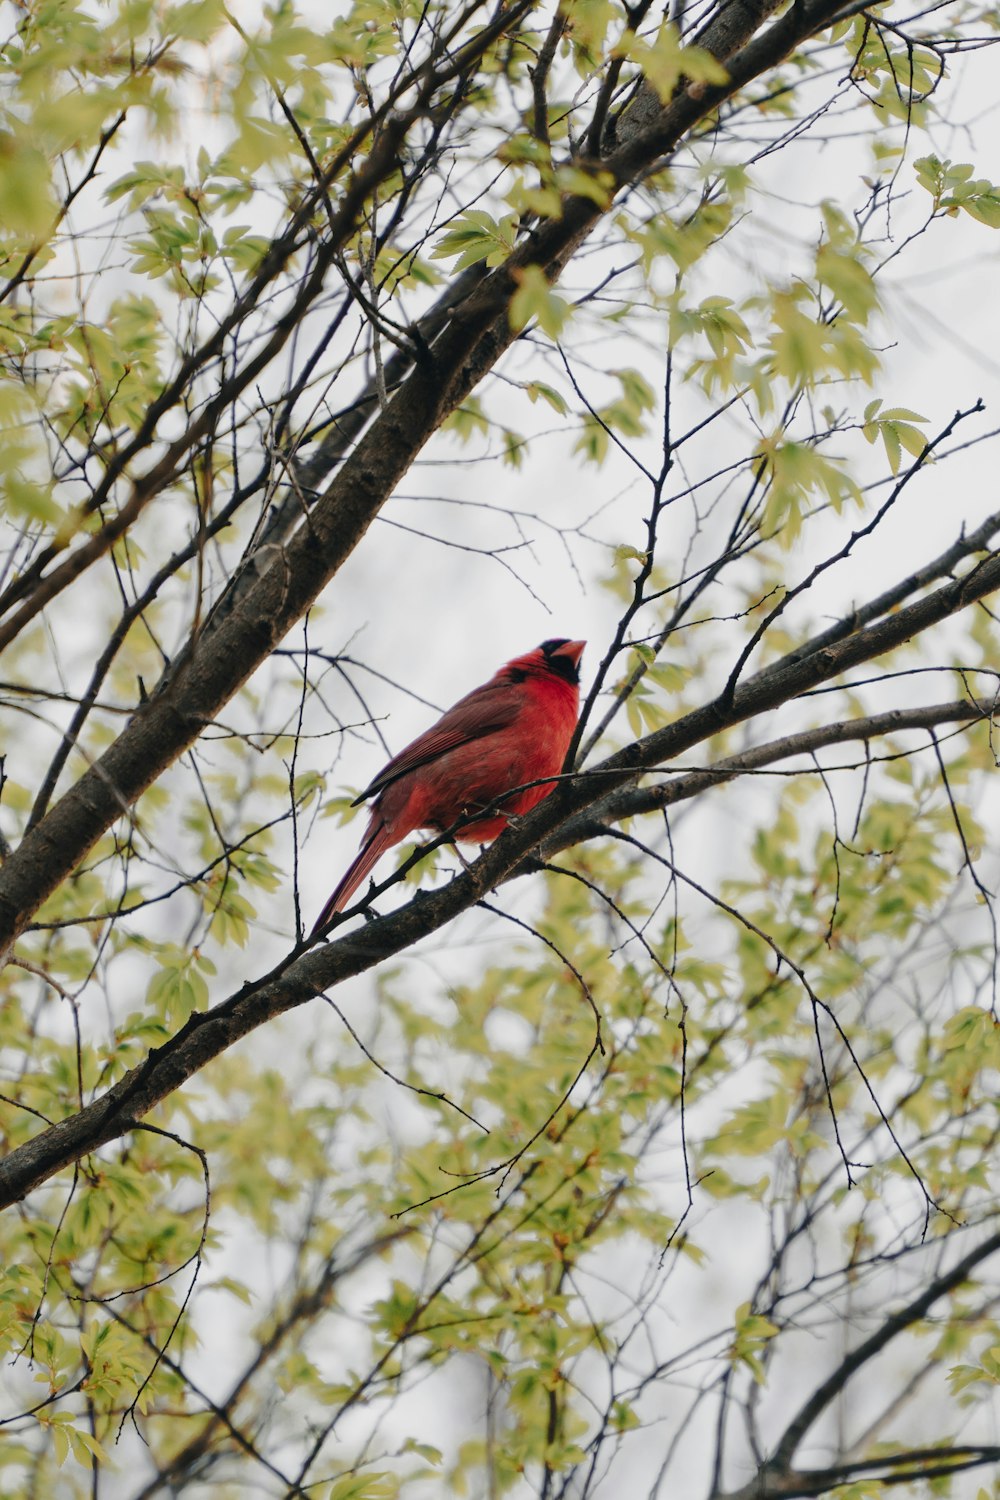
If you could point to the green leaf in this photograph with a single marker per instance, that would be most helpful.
(535, 300)
(536, 389)
(86, 1449)
(593, 441)
(27, 206)
(849, 281)
(477, 236)
(953, 188)
(895, 429)
(667, 61)
(379, 1485)
(467, 420)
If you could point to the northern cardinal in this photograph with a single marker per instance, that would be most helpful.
(514, 729)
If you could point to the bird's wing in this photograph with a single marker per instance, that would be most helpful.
(484, 711)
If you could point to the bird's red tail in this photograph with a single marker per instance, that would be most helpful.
(378, 839)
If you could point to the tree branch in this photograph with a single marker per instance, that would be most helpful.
(776, 1477)
(631, 802)
(303, 974)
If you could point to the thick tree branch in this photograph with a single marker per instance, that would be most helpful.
(632, 802)
(908, 1466)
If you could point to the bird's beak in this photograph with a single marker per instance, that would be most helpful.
(573, 649)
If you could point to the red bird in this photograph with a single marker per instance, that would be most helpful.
(514, 729)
